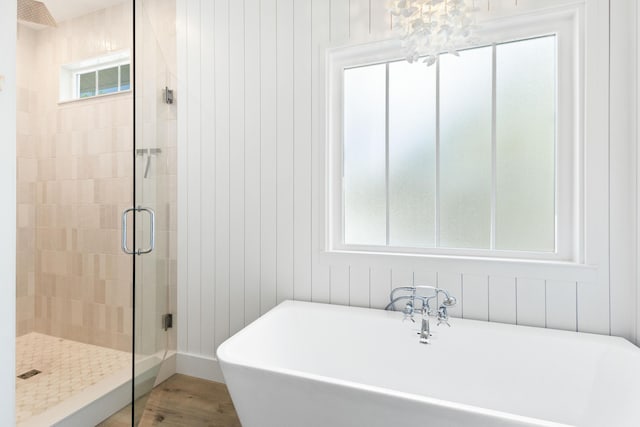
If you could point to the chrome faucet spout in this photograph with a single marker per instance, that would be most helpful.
(424, 331)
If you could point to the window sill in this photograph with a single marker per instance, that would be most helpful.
(97, 97)
(543, 269)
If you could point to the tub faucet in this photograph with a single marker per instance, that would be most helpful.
(411, 297)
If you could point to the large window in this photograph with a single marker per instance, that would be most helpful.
(471, 156)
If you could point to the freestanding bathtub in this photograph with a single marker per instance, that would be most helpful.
(317, 365)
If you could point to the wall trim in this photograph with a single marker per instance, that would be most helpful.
(199, 366)
(8, 34)
(167, 369)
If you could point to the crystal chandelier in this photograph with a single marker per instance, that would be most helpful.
(431, 27)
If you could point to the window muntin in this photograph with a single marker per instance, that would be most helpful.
(468, 158)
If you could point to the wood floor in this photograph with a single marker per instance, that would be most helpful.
(183, 401)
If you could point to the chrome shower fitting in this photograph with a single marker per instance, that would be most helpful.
(411, 297)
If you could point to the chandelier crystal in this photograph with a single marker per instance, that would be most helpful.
(431, 27)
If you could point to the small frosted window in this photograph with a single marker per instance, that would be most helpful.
(108, 80)
(103, 75)
(525, 138)
(365, 155)
(465, 147)
(125, 77)
(412, 154)
(458, 156)
(87, 85)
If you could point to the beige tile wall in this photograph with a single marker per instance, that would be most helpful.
(76, 171)
(26, 178)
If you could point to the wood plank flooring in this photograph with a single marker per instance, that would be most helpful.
(183, 401)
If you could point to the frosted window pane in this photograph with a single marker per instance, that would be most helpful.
(108, 81)
(87, 84)
(412, 159)
(364, 155)
(125, 77)
(465, 149)
(525, 137)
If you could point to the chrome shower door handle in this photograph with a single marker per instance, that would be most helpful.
(125, 249)
(152, 231)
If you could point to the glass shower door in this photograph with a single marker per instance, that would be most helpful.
(155, 193)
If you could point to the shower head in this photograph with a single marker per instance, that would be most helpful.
(35, 12)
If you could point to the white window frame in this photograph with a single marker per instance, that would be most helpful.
(564, 23)
(96, 71)
(70, 75)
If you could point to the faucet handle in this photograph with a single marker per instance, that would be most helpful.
(443, 316)
(441, 321)
(408, 312)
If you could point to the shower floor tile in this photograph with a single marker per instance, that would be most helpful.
(67, 367)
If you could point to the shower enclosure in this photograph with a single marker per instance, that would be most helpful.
(96, 139)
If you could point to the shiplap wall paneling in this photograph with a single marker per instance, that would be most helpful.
(320, 36)
(182, 304)
(340, 21)
(475, 294)
(593, 298)
(252, 153)
(593, 307)
(380, 19)
(380, 286)
(402, 276)
(221, 191)
(622, 160)
(205, 296)
(251, 129)
(284, 148)
(502, 299)
(194, 200)
(452, 283)
(236, 52)
(359, 289)
(302, 149)
(321, 290)
(561, 305)
(531, 302)
(339, 284)
(269, 151)
(359, 23)
(424, 277)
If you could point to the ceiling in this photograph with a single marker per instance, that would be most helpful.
(63, 10)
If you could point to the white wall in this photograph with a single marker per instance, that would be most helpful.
(8, 211)
(250, 180)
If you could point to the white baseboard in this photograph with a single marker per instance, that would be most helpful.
(167, 369)
(204, 367)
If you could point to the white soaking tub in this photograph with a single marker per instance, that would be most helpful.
(317, 365)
